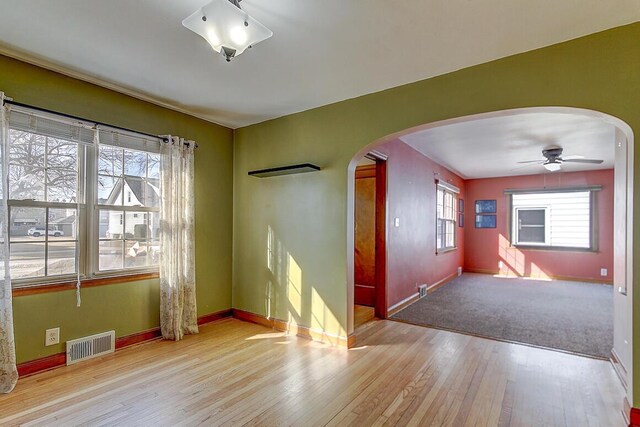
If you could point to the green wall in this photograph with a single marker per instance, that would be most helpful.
(308, 213)
(128, 307)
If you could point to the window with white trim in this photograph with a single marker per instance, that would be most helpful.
(446, 217)
(560, 219)
(77, 207)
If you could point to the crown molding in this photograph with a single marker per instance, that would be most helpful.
(51, 66)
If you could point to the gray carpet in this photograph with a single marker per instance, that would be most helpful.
(571, 316)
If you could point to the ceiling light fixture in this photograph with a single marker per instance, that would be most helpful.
(552, 166)
(226, 27)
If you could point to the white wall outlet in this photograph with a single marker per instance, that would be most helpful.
(603, 272)
(52, 336)
(396, 222)
(500, 265)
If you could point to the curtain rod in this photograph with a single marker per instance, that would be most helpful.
(69, 116)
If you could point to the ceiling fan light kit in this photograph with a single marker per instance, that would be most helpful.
(226, 27)
(554, 160)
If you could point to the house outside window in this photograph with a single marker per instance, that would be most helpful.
(560, 219)
(446, 217)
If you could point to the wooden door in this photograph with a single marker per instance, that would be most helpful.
(365, 236)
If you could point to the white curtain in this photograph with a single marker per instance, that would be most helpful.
(178, 314)
(8, 371)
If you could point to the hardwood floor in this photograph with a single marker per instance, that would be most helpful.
(362, 314)
(237, 373)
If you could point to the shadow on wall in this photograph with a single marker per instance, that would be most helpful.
(287, 292)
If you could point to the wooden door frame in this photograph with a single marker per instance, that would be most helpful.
(381, 310)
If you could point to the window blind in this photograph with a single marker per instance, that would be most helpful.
(25, 120)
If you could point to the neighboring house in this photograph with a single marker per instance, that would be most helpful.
(132, 191)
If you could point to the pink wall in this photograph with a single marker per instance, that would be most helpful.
(411, 197)
(484, 248)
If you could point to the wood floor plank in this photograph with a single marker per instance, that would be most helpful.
(237, 373)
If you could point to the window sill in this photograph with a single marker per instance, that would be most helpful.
(444, 251)
(553, 248)
(86, 283)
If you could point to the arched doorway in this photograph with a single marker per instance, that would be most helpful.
(622, 138)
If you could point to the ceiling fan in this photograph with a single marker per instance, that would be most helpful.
(553, 159)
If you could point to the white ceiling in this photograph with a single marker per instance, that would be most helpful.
(322, 51)
(493, 147)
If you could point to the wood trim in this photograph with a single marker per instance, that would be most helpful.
(551, 276)
(293, 329)
(631, 415)
(137, 338)
(619, 368)
(43, 364)
(404, 303)
(382, 299)
(366, 171)
(60, 359)
(87, 283)
(212, 317)
(441, 283)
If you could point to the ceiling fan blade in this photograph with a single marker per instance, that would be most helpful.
(572, 157)
(592, 161)
(533, 161)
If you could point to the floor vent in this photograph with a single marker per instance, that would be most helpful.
(423, 290)
(90, 347)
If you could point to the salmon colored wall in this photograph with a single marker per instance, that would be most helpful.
(411, 247)
(484, 248)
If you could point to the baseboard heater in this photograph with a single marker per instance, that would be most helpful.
(89, 347)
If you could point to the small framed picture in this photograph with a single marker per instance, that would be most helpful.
(485, 221)
(485, 206)
(461, 205)
(460, 220)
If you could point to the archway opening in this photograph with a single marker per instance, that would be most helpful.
(490, 145)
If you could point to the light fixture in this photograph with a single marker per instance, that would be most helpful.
(226, 27)
(552, 166)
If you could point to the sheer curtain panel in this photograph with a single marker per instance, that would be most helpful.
(178, 314)
(8, 370)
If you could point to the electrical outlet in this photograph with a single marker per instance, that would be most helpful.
(397, 222)
(603, 272)
(52, 336)
(500, 265)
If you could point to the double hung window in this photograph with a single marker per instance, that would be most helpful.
(78, 206)
(446, 217)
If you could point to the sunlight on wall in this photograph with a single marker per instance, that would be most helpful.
(513, 260)
(287, 296)
(321, 316)
(537, 273)
(294, 286)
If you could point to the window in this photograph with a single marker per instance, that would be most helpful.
(68, 214)
(552, 219)
(446, 202)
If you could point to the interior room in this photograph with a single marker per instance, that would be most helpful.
(231, 212)
(497, 215)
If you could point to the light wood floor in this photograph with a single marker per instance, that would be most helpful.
(236, 373)
(362, 314)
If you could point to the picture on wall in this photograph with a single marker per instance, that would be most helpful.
(460, 220)
(461, 205)
(485, 206)
(485, 221)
